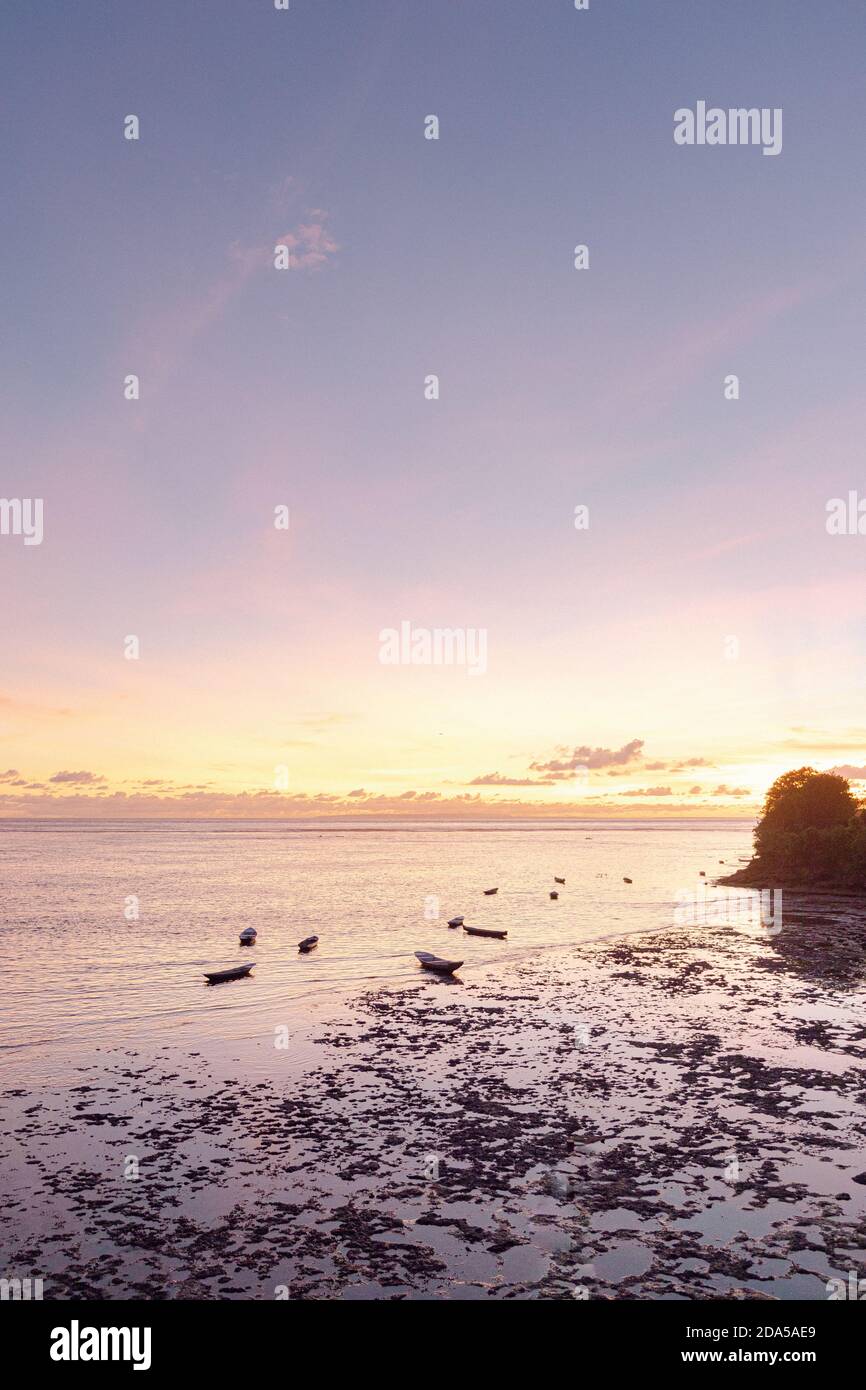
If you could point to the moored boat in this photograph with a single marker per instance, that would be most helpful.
(484, 931)
(437, 964)
(308, 943)
(216, 977)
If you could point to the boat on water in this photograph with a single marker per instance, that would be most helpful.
(308, 943)
(488, 892)
(216, 977)
(554, 894)
(455, 921)
(437, 964)
(248, 936)
(484, 931)
(558, 880)
(627, 880)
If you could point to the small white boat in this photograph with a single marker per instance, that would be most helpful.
(216, 977)
(455, 921)
(248, 936)
(437, 964)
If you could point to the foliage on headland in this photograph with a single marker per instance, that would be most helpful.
(812, 834)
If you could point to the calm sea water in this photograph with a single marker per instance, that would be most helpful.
(78, 975)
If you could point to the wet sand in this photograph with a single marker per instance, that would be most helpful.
(675, 1115)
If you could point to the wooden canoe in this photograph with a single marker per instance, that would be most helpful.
(484, 931)
(216, 977)
(308, 943)
(435, 963)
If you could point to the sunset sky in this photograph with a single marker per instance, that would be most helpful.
(702, 635)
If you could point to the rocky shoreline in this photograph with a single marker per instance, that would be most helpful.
(676, 1115)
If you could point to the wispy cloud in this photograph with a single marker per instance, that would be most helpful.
(80, 779)
(101, 802)
(164, 342)
(649, 791)
(592, 758)
(311, 244)
(496, 779)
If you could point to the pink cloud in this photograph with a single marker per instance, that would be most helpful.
(649, 791)
(77, 778)
(311, 244)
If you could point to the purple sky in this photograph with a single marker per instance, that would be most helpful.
(604, 387)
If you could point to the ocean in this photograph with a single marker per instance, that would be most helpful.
(106, 928)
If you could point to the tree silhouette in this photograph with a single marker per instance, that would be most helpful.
(812, 833)
(806, 800)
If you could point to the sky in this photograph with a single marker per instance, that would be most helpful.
(704, 631)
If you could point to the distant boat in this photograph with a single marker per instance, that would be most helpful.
(216, 977)
(248, 936)
(437, 964)
(702, 874)
(488, 892)
(558, 880)
(455, 921)
(484, 931)
(553, 892)
(627, 880)
(308, 943)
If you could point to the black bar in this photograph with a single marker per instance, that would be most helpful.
(645, 1337)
